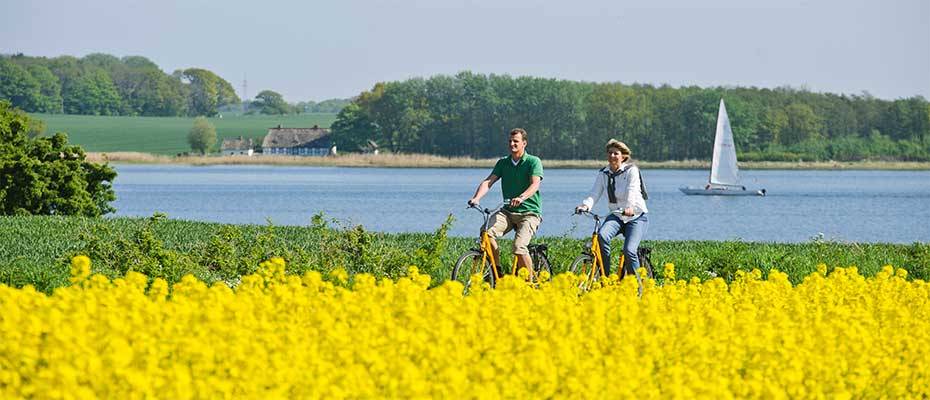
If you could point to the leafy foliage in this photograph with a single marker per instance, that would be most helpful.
(355, 128)
(101, 84)
(44, 176)
(34, 247)
(207, 92)
(470, 114)
(202, 136)
(325, 106)
(271, 102)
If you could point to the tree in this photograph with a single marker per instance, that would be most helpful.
(774, 122)
(202, 136)
(353, 129)
(49, 100)
(92, 93)
(207, 92)
(146, 89)
(47, 176)
(151, 92)
(271, 102)
(803, 124)
(327, 106)
(18, 86)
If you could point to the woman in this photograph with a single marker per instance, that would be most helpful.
(626, 201)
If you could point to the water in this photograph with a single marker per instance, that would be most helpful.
(860, 206)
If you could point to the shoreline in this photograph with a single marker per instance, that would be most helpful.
(432, 161)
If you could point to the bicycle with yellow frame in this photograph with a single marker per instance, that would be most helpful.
(480, 260)
(590, 264)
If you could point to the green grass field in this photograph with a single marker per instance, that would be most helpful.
(164, 135)
(35, 251)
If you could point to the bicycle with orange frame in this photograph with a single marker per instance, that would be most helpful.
(480, 260)
(590, 264)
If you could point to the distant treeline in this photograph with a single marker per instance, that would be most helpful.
(102, 84)
(330, 106)
(469, 115)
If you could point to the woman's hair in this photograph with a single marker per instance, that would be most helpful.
(624, 149)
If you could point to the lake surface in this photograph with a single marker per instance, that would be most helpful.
(860, 206)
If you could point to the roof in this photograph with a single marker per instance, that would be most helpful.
(236, 144)
(297, 137)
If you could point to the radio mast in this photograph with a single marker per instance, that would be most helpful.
(245, 92)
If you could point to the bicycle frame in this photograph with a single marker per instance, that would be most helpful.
(597, 263)
(484, 244)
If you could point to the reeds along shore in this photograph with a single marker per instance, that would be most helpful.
(432, 161)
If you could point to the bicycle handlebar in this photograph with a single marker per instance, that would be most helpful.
(588, 214)
(488, 211)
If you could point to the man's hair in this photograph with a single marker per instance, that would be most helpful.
(622, 147)
(519, 131)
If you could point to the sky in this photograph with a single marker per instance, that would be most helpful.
(316, 50)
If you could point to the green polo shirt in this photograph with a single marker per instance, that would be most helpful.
(516, 178)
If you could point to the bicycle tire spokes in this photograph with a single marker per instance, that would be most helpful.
(588, 276)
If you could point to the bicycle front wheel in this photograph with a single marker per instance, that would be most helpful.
(470, 263)
(584, 266)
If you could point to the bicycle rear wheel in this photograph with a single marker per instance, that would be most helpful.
(541, 264)
(645, 265)
(645, 268)
(469, 264)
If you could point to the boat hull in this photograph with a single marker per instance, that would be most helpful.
(699, 191)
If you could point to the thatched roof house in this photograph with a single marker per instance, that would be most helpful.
(313, 141)
(236, 146)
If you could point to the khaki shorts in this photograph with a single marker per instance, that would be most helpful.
(524, 224)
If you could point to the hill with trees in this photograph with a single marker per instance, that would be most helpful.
(469, 114)
(102, 84)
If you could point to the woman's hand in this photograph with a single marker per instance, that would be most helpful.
(580, 209)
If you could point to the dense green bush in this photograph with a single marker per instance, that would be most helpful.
(231, 251)
(36, 251)
(848, 148)
(45, 176)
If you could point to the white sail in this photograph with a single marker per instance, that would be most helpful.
(723, 170)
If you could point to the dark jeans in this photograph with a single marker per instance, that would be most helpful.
(633, 233)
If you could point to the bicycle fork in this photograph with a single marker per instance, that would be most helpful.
(487, 257)
(597, 263)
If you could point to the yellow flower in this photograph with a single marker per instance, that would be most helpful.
(669, 271)
(80, 268)
(339, 275)
(545, 276)
(284, 336)
(822, 269)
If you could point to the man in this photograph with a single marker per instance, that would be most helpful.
(520, 174)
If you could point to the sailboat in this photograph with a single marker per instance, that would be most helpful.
(724, 174)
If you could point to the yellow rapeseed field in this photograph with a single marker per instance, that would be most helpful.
(278, 336)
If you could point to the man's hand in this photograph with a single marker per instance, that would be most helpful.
(580, 209)
(473, 202)
(516, 201)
